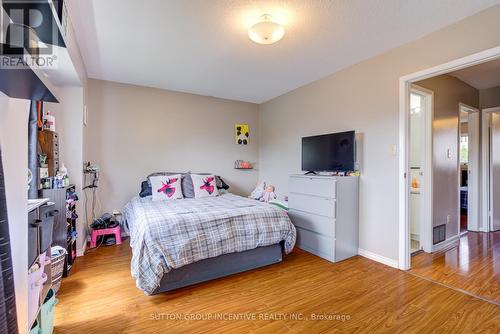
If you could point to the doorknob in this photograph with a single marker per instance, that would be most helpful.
(36, 223)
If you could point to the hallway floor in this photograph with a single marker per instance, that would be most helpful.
(472, 267)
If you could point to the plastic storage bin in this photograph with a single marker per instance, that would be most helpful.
(58, 255)
(35, 329)
(36, 278)
(32, 238)
(47, 313)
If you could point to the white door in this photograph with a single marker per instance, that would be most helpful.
(495, 171)
(473, 172)
(420, 163)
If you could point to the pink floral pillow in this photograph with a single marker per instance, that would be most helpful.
(166, 187)
(204, 185)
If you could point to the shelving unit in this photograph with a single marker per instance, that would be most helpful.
(71, 217)
(64, 233)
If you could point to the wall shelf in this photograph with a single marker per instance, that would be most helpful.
(23, 83)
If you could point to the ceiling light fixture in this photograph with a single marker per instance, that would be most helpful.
(266, 31)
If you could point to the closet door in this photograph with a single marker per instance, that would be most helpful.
(8, 316)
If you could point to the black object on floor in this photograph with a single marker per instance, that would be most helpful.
(106, 240)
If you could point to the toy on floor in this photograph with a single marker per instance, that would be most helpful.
(268, 194)
(258, 192)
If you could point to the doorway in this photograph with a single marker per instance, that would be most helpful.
(469, 180)
(491, 169)
(466, 171)
(419, 197)
(405, 83)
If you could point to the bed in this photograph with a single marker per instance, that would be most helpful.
(182, 242)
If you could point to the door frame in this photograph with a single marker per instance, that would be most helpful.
(486, 199)
(473, 227)
(404, 261)
(425, 227)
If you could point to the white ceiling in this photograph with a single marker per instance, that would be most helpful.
(201, 46)
(482, 76)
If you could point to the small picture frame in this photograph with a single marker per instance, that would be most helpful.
(242, 132)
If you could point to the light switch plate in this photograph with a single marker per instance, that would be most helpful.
(85, 115)
(394, 150)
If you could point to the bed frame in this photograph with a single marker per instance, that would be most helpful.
(220, 266)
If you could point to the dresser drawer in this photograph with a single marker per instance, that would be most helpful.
(314, 223)
(318, 205)
(317, 244)
(313, 186)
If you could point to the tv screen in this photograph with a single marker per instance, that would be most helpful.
(329, 153)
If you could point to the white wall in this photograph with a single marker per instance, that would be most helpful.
(364, 97)
(133, 131)
(69, 126)
(14, 145)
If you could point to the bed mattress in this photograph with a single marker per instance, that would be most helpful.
(168, 235)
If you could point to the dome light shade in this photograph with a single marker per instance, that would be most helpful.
(266, 31)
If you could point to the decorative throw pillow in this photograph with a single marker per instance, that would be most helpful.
(166, 187)
(187, 184)
(158, 174)
(204, 185)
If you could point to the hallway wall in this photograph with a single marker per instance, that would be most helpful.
(448, 93)
(489, 98)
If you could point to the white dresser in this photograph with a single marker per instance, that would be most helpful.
(324, 210)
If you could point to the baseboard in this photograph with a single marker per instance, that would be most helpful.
(448, 243)
(378, 258)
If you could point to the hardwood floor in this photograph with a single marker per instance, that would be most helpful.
(100, 297)
(473, 266)
(463, 222)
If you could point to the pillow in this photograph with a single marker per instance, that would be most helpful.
(204, 185)
(220, 183)
(166, 187)
(145, 189)
(187, 186)
(158, 174)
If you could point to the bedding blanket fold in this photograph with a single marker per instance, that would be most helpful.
(170, 234)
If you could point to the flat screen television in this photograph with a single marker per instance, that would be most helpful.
(333, 152)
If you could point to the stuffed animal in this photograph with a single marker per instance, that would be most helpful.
(258, 192)
(268, 194)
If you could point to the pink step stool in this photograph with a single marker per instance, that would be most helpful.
(105, 231)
